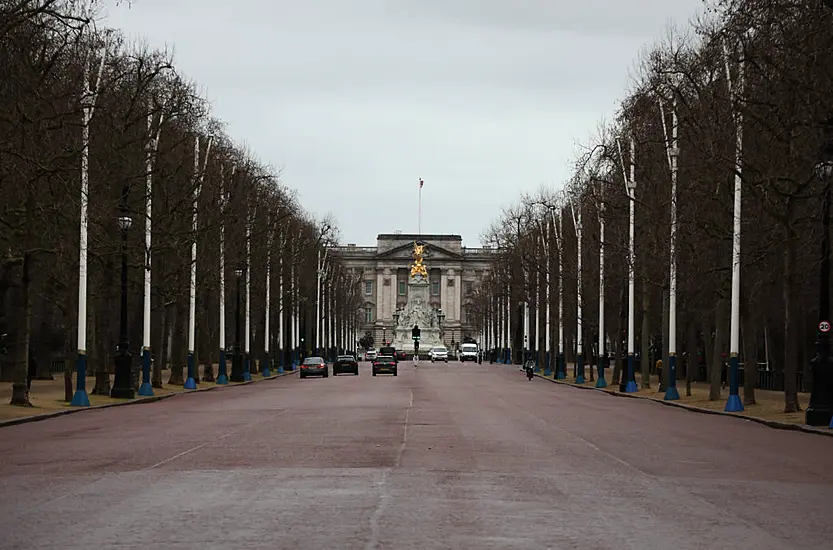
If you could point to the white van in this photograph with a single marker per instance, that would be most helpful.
(468, 352)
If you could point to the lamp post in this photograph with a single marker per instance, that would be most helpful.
(820, 409)
(247, 333)
(671, 393)
(628, 384)
(123, 384)
(508, 319)
(602, 353)
(526, 348)
(281, 337)
(265, 371)
(579, 323)
(545, 241)
(560, 366)
(222, 368)
(237, 358)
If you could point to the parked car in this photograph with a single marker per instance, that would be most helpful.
(345, 363)
(384, 363)
(401, 355)
(370, 355)
(468, 352)
(314, 366)
(438, 353)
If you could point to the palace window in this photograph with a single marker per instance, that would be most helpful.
(368, 315)
(401, 288)
(368, 288)
(469, 288)
(435, 288)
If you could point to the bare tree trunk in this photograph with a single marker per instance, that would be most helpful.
(617, 341)
(68, 351)
(97, 339)
(719, 344)
(790, 333)
(646, 336)
(750, 352)
(21, 311)
(161, 356)
(43, 349)
(666, 338)
(692, 362)
(591, 358)
(177, 345)
(708, 345)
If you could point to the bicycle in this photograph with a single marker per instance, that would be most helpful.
(529, 368)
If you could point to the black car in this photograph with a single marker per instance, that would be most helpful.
(388, 351)
(401, 355)
(314, 366)
(384, 363)
(345, 363)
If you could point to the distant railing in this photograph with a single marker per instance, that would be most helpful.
(351, 249)
(58, 366)
(484, 251)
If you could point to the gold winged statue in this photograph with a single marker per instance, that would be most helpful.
(418, 268)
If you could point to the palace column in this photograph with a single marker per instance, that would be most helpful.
(458, 296)
(379, 296)
(447, 293)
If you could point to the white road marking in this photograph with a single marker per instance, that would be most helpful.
(191, 450)
(384, 495)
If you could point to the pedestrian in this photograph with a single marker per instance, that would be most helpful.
(658, 368)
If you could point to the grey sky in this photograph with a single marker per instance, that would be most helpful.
(357, 99)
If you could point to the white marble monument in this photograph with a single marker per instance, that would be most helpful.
(417, 312)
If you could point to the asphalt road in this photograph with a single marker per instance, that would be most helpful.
(441, 456)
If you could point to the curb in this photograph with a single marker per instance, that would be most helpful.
(771, 423)
(136, 401)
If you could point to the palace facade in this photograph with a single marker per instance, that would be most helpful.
(454, 271)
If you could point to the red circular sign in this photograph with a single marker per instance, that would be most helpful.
(824, 326)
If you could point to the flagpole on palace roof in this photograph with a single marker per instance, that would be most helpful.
(419, 214)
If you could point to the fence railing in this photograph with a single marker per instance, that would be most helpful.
(353, 249)
(483, 251)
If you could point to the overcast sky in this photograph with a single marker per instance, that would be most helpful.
(355, 100)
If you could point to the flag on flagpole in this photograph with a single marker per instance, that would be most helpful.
(420, 183)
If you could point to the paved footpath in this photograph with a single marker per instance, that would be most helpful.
(442, 456)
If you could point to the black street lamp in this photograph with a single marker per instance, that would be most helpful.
(440, 319)
(237, 359)
(820, 409)
(123, 381)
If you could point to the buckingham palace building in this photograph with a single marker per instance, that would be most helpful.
(454, 271)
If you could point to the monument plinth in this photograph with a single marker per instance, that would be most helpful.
(417, 311)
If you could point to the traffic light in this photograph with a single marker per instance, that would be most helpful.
(416, 346)
(415, 333)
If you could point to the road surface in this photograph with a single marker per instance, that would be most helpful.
(441, 456)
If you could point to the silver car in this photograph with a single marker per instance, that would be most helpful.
(438, 353)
